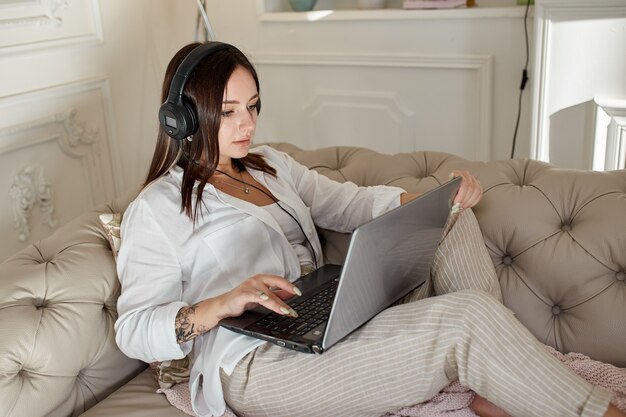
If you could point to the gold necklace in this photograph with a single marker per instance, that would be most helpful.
(245, 188)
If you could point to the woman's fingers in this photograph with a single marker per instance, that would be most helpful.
(266, 290)
(263, 287)
(270, 300)
(474, 192)
(278, 285)
(282, 294)
(470, 192)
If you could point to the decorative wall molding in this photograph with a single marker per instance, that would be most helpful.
(31, 187)
(68, 131)
(76, 133)
(34, 24)
(382, 105)
(385, 101)
(74, 138)
(481, 64)
(48, 14)
(476, 62)
(91, 142)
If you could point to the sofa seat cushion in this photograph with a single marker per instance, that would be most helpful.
(138, 398)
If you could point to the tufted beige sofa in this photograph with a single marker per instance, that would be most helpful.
(557, 239)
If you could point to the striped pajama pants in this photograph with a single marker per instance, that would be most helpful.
(409, 352)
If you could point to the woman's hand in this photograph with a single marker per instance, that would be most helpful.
(266, 290)
(470, 192)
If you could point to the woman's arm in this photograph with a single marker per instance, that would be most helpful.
(151, 288)
(338, 206)
(151, 298)
(266, 290)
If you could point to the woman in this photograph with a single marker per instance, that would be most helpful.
(218, 230)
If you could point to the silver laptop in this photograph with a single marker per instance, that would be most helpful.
(388, 257)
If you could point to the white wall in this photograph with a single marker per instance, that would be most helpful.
(140, 38)
(78, 104)
(392, 80)
(81, 99)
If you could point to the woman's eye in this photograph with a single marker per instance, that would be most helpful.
(227, 113)
(253, 107)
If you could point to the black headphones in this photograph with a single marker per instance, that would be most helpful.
(177, 115)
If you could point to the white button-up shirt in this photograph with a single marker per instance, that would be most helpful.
(165, 263)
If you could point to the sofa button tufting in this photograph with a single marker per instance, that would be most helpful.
(620, 276)
(566, 227)
(507, 260)
(556, 310)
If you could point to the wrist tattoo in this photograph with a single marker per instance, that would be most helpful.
(185, 327)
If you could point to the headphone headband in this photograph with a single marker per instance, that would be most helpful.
(177, 115)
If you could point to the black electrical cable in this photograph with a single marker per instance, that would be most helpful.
(198, 23)
(524, 79)
(202, 16)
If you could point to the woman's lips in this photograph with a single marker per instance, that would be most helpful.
(242, 142)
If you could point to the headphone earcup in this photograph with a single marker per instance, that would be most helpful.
(191, 117)
(179, 119)
(177, 115)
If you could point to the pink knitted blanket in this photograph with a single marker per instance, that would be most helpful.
(454, 399)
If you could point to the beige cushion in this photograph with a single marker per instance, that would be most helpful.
(138, 398)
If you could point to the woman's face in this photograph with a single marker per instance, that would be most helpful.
(239, 115)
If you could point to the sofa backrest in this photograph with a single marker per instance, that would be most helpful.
(556, 237)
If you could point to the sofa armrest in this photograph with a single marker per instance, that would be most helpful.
(58, 297)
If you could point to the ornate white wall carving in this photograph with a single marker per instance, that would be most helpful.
(61, 136)
(31, 187)
(77, 140)
(77, 132)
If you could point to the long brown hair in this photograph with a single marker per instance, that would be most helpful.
(205, 89)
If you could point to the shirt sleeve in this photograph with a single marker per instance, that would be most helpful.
(340, 206)
(151, 280)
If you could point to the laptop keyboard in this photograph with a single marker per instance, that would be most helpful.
(312, 312)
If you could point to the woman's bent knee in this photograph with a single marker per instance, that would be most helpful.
(475, 298)
(477, 304)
